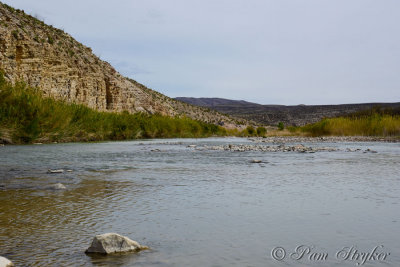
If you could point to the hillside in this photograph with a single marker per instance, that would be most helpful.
(50, 59)
(26, 116)
(273, 114)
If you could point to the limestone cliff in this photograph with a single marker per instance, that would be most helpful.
(53, 61)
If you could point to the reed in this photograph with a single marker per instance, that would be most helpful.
(29, 117)
(368, 124)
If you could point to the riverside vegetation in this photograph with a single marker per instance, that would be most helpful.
(27, 116)
(371, 122)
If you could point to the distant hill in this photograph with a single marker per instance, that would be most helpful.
(51, 60)
(215, 102)
(273, 114)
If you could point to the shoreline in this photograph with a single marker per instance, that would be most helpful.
(267, 139)
(328, 139)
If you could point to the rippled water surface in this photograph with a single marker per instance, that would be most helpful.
(198, 207)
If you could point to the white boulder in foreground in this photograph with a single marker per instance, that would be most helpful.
(5, 262)
(113, 243)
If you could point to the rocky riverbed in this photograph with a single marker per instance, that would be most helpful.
(277, 148)
(295, 144)
(264, 148)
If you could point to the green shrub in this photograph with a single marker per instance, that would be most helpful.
(281, 126)
(250, 131)
(317, 129)
(71, 52)
(261, 131)
(15, 34)
(50, 39)
(292, 129)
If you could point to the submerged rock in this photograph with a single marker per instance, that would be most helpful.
(5, 262)
(113, 243)
(58, 186)
(55, 171)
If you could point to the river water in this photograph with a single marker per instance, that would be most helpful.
(201, 207)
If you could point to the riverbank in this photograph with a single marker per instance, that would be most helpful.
(328, 139)
(27, 116)
(372, 122)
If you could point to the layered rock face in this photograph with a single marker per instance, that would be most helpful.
(51, 60)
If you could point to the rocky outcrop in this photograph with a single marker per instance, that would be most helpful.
(5, 262)
(51, 60)
(113, 243)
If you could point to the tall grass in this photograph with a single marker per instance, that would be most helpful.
(369, 124)
(30, 117)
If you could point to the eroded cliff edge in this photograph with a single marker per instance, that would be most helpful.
(61, 67)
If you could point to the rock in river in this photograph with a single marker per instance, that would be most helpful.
(112, 243)
(58, 186)
(55, 171)
(5, 262)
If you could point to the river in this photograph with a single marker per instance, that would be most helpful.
(201, 207)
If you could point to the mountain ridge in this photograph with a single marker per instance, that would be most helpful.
(296, 115)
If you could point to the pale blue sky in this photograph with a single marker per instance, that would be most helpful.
(266, 51)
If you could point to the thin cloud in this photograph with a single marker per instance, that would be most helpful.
(266, 51)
